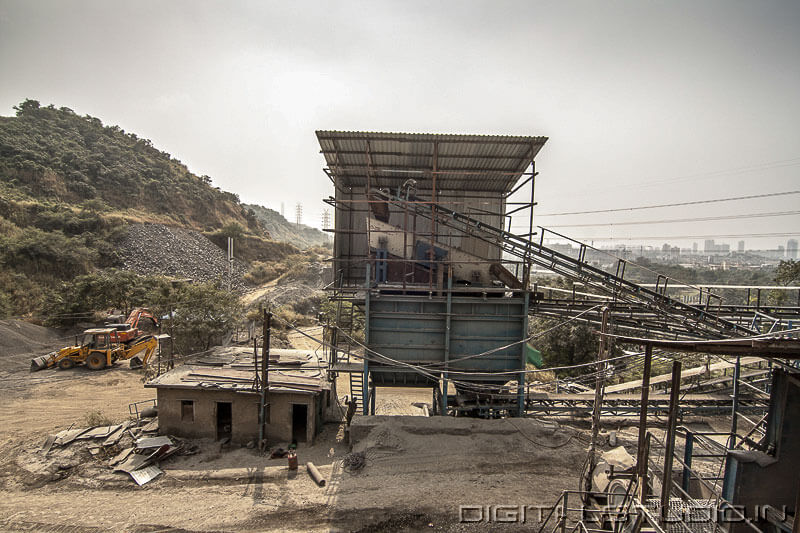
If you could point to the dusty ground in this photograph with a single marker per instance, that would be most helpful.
(417, 472)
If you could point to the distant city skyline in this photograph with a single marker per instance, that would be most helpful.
(790, 249)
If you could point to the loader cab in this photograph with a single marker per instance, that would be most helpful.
(98, 348)
(97, 339)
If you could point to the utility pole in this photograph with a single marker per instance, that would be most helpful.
(298, 213)
(267, 325)
(230, 262)
(599, 387)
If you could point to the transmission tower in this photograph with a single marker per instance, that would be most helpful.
(298, 213)
(326, 222)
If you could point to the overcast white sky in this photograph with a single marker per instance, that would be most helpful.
(644, 102)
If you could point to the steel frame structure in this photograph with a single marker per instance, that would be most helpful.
(399, 241)
(416, 306)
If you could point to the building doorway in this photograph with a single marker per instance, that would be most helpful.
(299, 421)
(224, 420)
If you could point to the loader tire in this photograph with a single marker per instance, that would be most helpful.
(66, 364)
(96, 361)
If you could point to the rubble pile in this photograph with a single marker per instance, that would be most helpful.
(176, 252)
(132, 448)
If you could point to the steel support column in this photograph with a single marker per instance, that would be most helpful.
(447, 339)
(687, 460)
(521, 380)
(641, 460)
(737, 373)
(365, 386)
(669, 451)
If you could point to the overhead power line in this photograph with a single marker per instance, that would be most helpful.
(672, 220)
(695, 202)
(651, 237)
(782, 163)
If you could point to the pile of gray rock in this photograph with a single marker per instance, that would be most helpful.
(177, 253)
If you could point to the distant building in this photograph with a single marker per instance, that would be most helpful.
(694, 247)
(710, 247)
(780, 252)
(791, 249)
(741, 246)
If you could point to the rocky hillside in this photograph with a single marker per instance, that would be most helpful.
(78, 196)
(281, 229)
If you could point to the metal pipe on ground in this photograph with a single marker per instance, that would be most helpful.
(315, 475)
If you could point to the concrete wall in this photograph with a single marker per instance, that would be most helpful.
(244, 410)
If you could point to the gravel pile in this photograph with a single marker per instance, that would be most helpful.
(178, 253)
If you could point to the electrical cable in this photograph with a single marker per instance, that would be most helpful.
(392, 362)
(676, 204)
(665, 237)
(676, 220)
(781, 163)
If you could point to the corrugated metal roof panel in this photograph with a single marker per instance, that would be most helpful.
(465, 162)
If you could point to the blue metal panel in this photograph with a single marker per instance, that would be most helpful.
(414, 329)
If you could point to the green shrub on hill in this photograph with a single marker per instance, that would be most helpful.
(53, 153)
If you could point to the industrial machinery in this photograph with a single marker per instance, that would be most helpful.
(134, 327)
(97, 350)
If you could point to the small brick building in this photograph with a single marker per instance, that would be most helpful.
(215, 397)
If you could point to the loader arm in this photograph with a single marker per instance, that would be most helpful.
(54, 358)
(138, 314)
(145, 345)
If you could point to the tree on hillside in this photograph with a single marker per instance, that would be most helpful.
(232, 230)
(570, 344)
(202, 314)
(76, 300)
(787, 274)
(55, 154)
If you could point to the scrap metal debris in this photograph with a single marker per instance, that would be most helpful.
(141, 450)
(153, 442)
(146, 475)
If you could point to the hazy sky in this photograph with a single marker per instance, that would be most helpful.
(644, 102)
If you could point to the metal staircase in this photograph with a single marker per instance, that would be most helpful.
(699, 321)
(341, 337)
(357, 389)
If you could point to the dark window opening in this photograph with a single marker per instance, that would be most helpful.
(299, 422)
(224, 420)
(187, 410)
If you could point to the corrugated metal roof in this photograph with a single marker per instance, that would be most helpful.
(464, 162)
(232, 369)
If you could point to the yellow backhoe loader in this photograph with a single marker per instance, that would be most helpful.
(98, 350)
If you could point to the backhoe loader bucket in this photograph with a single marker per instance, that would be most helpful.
(39, 363)
(135, 362)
